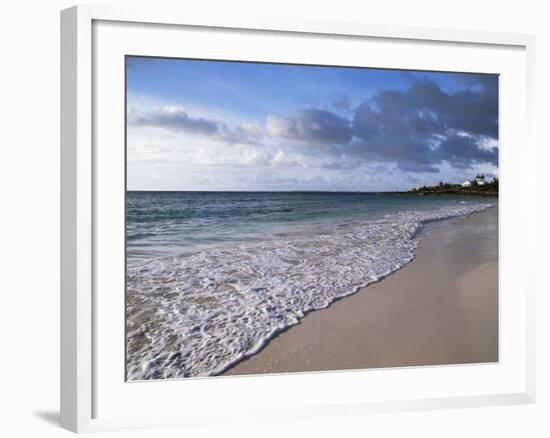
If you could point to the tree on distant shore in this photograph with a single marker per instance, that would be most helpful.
(487, 188)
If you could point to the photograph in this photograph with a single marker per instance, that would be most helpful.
(290, 218)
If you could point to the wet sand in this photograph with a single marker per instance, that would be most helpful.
(442, 308)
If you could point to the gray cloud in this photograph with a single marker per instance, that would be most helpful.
(311, 126)
(463, 151)
(423, 126)
(342, 102)
(175, 118)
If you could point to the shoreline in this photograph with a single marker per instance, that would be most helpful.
(450, 316)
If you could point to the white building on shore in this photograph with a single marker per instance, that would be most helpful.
(480, 180)
(466, 184)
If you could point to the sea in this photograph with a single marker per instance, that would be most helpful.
(211, 277)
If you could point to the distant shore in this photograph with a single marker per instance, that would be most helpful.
(442, 308)
(480, 186)
(464, 192)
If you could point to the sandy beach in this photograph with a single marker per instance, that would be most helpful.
(442, 308)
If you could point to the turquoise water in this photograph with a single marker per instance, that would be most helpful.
(171, 223)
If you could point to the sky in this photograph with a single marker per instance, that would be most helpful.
(219, 125)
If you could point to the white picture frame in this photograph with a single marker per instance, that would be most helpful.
(82, 371)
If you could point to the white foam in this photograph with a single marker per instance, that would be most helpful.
(198, 314)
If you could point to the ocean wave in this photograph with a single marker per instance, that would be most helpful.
(200, 313)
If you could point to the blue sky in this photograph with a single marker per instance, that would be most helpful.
(213, 125)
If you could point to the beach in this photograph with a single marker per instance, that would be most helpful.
(237, 282)
(441, 308)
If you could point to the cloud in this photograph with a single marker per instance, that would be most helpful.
(342, 102)
(422, 126)
(175, 118)
(311, 126)
(418, 167)
(417, 130)
(463, 151)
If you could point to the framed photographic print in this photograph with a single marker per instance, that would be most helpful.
(291, 218)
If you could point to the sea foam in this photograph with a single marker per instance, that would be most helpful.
(199, 314)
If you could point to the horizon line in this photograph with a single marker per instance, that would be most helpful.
(276, 191)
